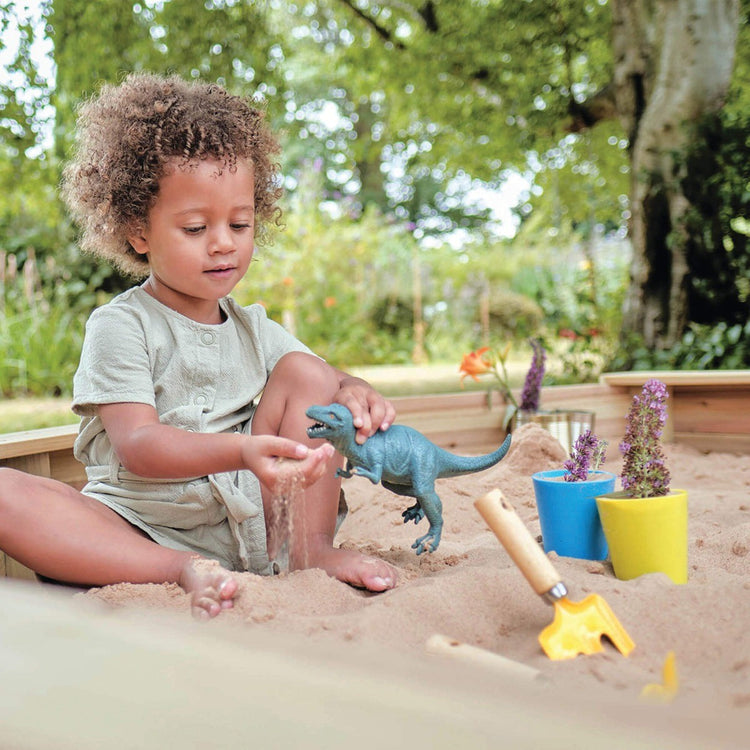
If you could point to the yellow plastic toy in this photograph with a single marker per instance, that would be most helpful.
(665, 692)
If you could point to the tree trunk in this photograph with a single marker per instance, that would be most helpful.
(673, 64)
(418, 353)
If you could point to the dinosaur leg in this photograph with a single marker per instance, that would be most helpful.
(433, 509)
(346, 472)
(412, 513)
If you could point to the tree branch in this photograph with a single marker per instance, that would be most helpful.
(382, 32)
(427, 13)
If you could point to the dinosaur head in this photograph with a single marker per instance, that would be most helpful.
(333, 423)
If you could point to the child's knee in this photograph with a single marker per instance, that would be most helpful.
(16, 484)
(9, 478)
(308, 373)
(11, 484)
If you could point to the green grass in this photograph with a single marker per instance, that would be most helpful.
(18, 414)
(420, 380)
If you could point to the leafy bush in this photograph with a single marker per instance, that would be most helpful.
(717, 334)
(582, 308)
(702, 347)
(719, 246)
(514, 315)
(39, 352)
(582, 358)
(393, 315)
(41, 329)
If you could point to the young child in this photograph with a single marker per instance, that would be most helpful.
(174, 182)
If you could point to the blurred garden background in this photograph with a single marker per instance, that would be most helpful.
(458, 174)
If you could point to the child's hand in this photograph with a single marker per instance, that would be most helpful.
(275, 459)
(370, 411)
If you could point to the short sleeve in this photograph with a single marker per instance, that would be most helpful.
(114, 365)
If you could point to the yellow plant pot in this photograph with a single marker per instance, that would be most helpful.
(646, 534)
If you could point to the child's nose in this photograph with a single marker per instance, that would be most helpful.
(222, 241)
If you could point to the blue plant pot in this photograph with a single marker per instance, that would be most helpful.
(568, 514)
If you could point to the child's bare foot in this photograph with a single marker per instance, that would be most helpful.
(210, 586)
(356, 569)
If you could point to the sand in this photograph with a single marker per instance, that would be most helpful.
(471, 591)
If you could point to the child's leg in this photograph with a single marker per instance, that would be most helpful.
(297, 382)
(62, 534)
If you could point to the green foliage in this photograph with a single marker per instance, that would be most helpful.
(703, 347)
(580, 294)
(581, 189)
(718, 252)
(582, 358)
(44, 312)
(346, 286)
(40, 352)
(719, 347)
(24, 92)
(514, 316)
(719, 247)
(322, 275)
(500, 73)
(393, 315)
(424, 99)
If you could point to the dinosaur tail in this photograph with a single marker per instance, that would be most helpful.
(457, 465)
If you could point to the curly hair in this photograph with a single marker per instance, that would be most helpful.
(129, 135)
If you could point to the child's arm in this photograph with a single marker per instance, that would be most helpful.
(370, 410)
(150, 449)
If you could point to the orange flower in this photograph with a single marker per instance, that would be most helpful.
(329, 302)
(475, 364)
(287, 281)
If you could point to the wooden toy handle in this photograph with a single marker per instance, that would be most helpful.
(445, 646)
(519, 544)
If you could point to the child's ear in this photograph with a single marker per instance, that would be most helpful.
(139, 242)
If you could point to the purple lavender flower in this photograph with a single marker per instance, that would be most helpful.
(644, 471)
(589, 453)
(533, 383)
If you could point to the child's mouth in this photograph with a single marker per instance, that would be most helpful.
(220, 272)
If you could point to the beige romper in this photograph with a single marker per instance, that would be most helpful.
(201, 378)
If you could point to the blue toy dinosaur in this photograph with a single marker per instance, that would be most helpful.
(403, 460)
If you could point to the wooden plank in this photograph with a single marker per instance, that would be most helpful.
(38, 464)
(682, 378)
(713, 411)
(14, 569)
(703, 405)
(464, 422)
(477, 400)
(66, 468)
(715, 442)
(29, 442)
(468, 423)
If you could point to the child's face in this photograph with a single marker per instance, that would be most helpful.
(199, 239)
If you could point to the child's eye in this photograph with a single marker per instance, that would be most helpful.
(193, 230)
(240, 227)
